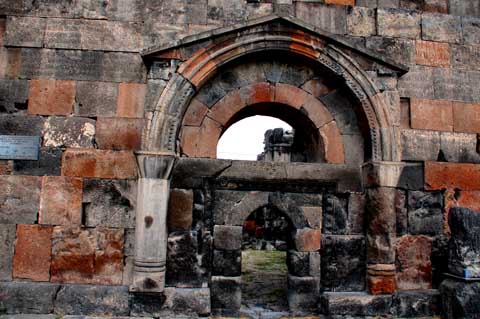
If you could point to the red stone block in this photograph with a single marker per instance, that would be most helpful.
(131, 99)
(51, 97)
(381, 285)
(109, 257)
(308, 239)
(33, 252)
(195, 113)
(227, 107)
(436, 6)
(189, 140)
(180, 209)
(61, 201)
(341, 2)
(317, 111)
(290, 95)
(99, 163)
(261, 92)
(466, 117)
(469, 199)
(6, 167)
(119, 133)
(208, 138)
(414, 267)
(431, 114)
(452, 175)
(432, 53)
(332, 143)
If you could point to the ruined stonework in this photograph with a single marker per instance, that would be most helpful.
(128, 212)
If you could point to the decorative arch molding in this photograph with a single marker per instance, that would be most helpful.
(279, 34)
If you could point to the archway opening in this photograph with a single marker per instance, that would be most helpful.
(267, 236)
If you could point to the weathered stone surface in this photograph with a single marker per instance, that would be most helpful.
(356, 213)
(99, 163)
(27, 297)
(335, 215)
(420, 145)
(470, 30)
(298, 263)
(25, 31)
(464, 245)
(131, 100)
(227, 262)
(307, 239)
(355, 304)
(414, 267)
(441, 28)
(121, 10)
(21, 125)
(109, 203)
(419, 83)
(459, 147)
(92, 300)
(465, 116)
(431, 115)
(96, 99)
(119, 133)
(465, 56)
(381, 211)
(394, 174)
(343, 263)
(68, 132)
(401, 211)
(7, 238)
(180, 209)
(425, 213)
(51, 97)
(13, 95)
(226, 293)
(398, 23)
(451, 175)
(61, 201)
(32, 252)
(227, 237)
(432, 53)
(460, 299)
(361, 21)
(19, 199)
(408, 304)
(455, 84)
(328, 18)
(302, 293)
(49, 163)
(92, 256)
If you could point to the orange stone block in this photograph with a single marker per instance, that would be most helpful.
(414, 266)
(469, 199)
(332, 143)
(195, 113)
(189, 140)
(466, 117)
(432, 53)
(99, 163)
(61, 201)
(317, 111)
(290, 95)
(381, 285)
(308, 239)
(261, 92)
(341, 2)
(465, 177)
(32, 252)
(210, 132)
(51, 97)
(119, 133)
(227, 107)
(131, 99)
(316, 87)
(431, 115)
(180, 209)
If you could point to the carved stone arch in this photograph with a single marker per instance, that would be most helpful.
(202, 65)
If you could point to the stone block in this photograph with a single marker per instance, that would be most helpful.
(471, 30)
(96, 99)
(441, 28)
(302, 293)
(25, 32)
(117, 10)
(466, 117)
(132, 70)
(465, 56)
(455, 84)
(99, 163)
(381, 285)
(356, 213)
(452, 175)
(21, 125)
(227, 263)
(64, 132)
(180, 209)
(420, 303)
(61, 201)
(464, 244)
(109, 203)
(28, 297)
(430, 53)
(420, 145)
(468, 199)
(414, 266)
(19, 199)
(307, 239)
(341, 2)
(329, 18)
(51, 97)
(361, 21)
(90, 256)
(298, 263)
(13, 95)
(381, 210)
(381, 248)
(388, 3)
(7, 239)
(186, 266)
(355, 304)
(92, 300)
(459, 147)
(227, 237)
(431, 114)
(49, 162)
(418, 82)
(335, 215)
(195, 113)
(460, 299)
(119, 133)
(343, 263)
(394, 174)
(32, 252)
(398, 23)
(226, 293)
(313, 215)
(425, 213)
(131, 100)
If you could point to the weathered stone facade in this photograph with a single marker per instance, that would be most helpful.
(127, 211)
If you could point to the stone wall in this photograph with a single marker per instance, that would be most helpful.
(72, 73)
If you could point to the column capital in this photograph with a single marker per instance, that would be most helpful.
(155, 164)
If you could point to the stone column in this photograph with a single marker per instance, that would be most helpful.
(151, 221)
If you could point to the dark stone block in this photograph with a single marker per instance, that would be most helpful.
(49, 163)
(335, 215)
(355, 304)
(210, 93)
(439, 259)
(146, 304)
(13, 95)
(298, 263)
(399, 50)
(402, 212)
(356, 214)
(302, 293)
(417, 303)
(460, 299)
(7, 240)
(343, 263)
(227, 237)
(425, 214)
(26, 297)
(226, 293)
(342, 111)
(96, 99)
(92, 300)
(21, 125)
(227, 262)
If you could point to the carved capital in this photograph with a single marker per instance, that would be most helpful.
(155, 164)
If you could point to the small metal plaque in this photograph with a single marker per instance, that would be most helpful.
(19, 147)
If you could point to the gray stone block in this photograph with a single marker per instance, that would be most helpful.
(399, 50)
(342, 111)
(398, 23)
(49, 163)
(425, 213)
(366, 3)
(401, 212)
(21, 125)
(459, 147)
(418, 82)
(121, 10)
(92, 300)
(465, 56)
(460, 299)
(226, 293)
(227, 237)
(109, 203)
(25, 32)
(298, 263)
(227, 262)
(388, 3)
(335, 215)
(27, 297)
(19, 199)
(62, 132)
(361, 21)
(418, 303)
(328, 18)
(302, 293)
(96, 99)
(464, 8)
(471, 29)
(7, 239)
(420, 145)
(13, 95)
(355, 304)
(30, 316)
(441, 28)
(456, 84)
(356, 213)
